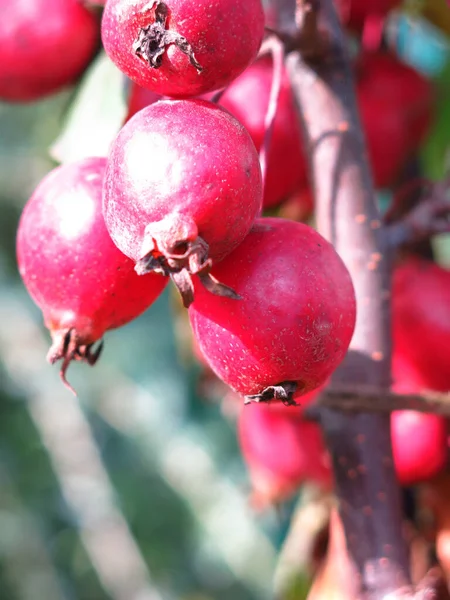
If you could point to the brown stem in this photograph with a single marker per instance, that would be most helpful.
(429, 217)
(367, 399)
(359, 444)
(277, 51)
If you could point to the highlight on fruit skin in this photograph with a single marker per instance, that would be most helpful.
(294, 322)
(182, 188)
(73, 271)
(45, 45)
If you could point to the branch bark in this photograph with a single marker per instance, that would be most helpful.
(365, 399)
(359, 444)
(429, 217)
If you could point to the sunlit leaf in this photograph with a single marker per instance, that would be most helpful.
(96, 115)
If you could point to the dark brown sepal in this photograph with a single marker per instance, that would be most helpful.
(152, 40)
(283, 391)
(180, 267)
(183, 281)
(218, 289)
(66, 346)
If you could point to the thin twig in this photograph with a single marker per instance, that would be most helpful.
(370, 400)
(277, 51)
(430, 217)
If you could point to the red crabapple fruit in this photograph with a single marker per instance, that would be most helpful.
(247, 98)
(83, 284)
(182, 189)
(419, 445)
(421, 319)
(295, 319)
(382, 76)
(419, 440)
(281, 450)
(182, 48)
(355, 13)
(44, 46)
(382, 121)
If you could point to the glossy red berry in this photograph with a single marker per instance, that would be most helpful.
(44, 46)
(295, 319)
(182, 188)
(182, 48)
(247, 98)
(281, 451)
(70, 266)
(421, 319)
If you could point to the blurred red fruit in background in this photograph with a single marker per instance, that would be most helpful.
(44, 46)
(382, 76)
(247, 98)
(354, 13)
(281, 450)
(421, 319)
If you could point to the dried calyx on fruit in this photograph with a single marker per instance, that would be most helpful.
(182, 48)
(71, 268)
(182, 189)
(295, 319)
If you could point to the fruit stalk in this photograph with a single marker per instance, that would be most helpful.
(360, 444)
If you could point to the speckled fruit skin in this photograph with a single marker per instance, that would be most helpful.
(419, 440)
(421, 319)
(247, 98)
(225, 36)
(187, 162)
(44, 46)
(281, 451)
(68, 262)
(296, 316)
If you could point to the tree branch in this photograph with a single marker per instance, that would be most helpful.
(359, 444)
(366, 399)
(429, 217)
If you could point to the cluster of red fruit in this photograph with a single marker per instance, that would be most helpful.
(180, 195)
(420, 362)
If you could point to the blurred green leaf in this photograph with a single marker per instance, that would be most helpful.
(96, 115)
(436, 151)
